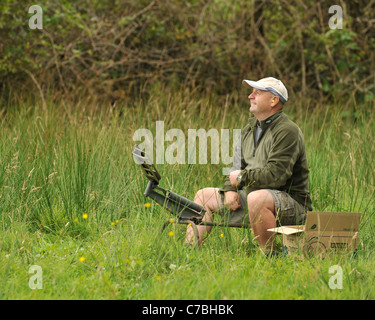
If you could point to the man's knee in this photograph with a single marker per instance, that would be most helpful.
(259, 200)
(201, 195)
(209, 198)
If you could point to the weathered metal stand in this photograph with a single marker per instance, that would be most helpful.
(187, 211)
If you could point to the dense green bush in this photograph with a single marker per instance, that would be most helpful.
(116, 48)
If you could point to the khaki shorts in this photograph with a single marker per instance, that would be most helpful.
(287, 210)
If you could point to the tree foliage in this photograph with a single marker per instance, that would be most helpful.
(115, 48)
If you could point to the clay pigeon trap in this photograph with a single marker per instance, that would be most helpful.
(186, 211)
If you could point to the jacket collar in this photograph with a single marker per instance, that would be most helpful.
(266, 122)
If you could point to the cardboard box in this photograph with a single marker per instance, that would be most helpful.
(323, 233)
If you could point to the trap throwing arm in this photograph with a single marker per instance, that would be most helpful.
(184, 208)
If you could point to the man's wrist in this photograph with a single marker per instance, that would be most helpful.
(240, 178)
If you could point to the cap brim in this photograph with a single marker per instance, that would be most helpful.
(251, 84)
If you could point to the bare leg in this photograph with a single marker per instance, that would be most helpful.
(261, 215)
(209, 198)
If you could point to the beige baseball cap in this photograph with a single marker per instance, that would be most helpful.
(269, 84)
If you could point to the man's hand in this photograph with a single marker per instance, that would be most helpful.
(233, 178)
(232, 200)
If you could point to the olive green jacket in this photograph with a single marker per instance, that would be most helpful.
(277, 162)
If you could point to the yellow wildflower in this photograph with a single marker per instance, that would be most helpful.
(147, 204)
(171, 233)
(82, 259)
(85, 216)
(158, 278)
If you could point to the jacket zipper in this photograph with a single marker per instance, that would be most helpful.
(260, 137)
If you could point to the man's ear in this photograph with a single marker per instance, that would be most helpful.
(275, 101)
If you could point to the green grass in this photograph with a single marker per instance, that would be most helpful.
(77, 160)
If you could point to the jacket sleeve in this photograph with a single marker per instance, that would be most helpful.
(283, 155)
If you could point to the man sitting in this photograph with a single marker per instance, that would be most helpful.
(271, 186)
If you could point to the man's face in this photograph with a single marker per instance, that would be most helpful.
(260, 102)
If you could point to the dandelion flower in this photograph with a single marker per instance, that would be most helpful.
(112, 223)
(82, 259)
(76, 220)
(221, 235)
(158, 278)
(171, 220)
(117, 221)
(170, 233)
(147, 204)
(85, 216)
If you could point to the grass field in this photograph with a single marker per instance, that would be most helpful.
(72, 203)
